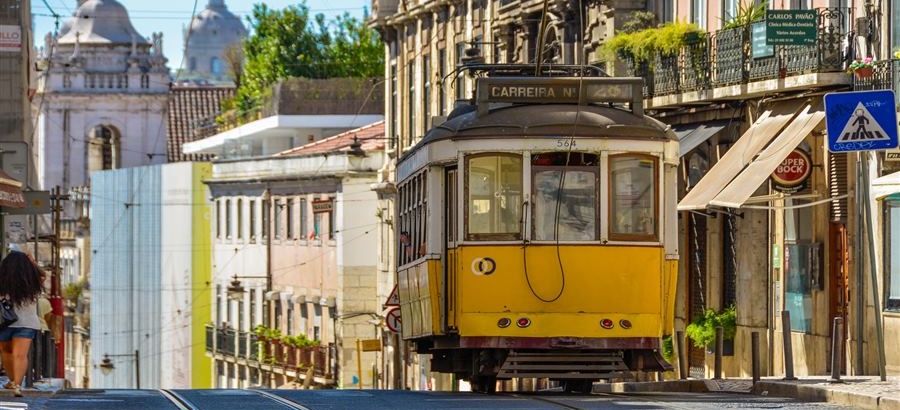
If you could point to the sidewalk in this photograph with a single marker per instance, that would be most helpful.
(43, 387)
(862, 392)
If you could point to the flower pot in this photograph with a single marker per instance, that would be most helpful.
(863, 72)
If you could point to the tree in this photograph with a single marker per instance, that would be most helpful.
(291, 43)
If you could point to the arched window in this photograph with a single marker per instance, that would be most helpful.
(216, 66)
(192, 64)
(103, 148)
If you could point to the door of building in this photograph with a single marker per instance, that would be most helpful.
(839, 279)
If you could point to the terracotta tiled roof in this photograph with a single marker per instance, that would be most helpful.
(192, 110)
(371, 137)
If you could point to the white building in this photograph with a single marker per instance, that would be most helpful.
(101, 97)
(150, 277)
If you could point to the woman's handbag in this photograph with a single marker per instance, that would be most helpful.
(7, 314)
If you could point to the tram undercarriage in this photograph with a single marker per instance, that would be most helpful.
(576, 368)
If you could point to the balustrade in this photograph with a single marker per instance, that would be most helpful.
(725, 58)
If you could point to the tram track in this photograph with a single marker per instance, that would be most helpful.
(553, 400)
(214, 399)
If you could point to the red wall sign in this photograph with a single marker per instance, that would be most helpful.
(794, 170)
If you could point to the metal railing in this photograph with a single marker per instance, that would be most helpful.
(246, 345)
(725, 57)
(885, 76)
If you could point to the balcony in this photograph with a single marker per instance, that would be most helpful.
(886, 76)
(728, 65)
(297, 362)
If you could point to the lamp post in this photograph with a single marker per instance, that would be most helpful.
(236, 290)
(356, 154)
(106, 366)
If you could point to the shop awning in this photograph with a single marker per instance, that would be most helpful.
(741, 153)
(748, 181)
(10, 192)
(692, 135)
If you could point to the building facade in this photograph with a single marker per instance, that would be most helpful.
(296, 284)
(149, 276)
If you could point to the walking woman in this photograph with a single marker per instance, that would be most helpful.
(20, 282)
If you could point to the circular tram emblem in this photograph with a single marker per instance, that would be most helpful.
(793, 171)
(483, 266)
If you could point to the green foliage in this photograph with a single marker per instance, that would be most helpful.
(263, 332)
(668, 351)
(72, 291)
(299, 341)
(292, 43)
(640, 20)
(748, 13)
(643, 45)
(702, 330)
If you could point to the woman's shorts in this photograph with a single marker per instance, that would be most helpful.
(18, 332)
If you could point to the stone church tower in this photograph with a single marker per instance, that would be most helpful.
(212, 33)
(101, 98)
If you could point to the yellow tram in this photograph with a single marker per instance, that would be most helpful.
(537, 231)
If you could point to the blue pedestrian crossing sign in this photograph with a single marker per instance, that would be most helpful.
(861, 121)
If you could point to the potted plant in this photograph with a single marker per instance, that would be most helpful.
(862, 68)
(702, 330)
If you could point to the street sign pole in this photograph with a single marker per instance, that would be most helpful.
(870, 238)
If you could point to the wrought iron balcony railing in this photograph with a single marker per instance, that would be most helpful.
(885, 76)
(725, 57)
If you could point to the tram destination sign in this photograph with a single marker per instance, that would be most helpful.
(791, 27)
(561, 91)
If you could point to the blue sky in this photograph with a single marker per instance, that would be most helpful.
(172, 16)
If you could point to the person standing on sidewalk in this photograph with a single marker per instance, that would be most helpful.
(20, 283)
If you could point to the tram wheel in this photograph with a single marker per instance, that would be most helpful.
(484, 384)
(578, 386)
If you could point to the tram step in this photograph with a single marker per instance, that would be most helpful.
(564, 366)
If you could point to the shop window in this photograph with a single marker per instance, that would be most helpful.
(892, 252)
(494, 197)
(565, 196)
(802, 266)
(633, 197)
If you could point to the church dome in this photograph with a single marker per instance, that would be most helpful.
(215, 26)
(101, 22)
(212, 32)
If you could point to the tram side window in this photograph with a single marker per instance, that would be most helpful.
(412, 214)
(633, 197)
(493, 197)
(565, 196)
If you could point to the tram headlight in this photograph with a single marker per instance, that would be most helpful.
(523, 322)
(606, 323)
(504, 323)
(625, 324)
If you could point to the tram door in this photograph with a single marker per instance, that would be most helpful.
(839, 278)
(696, 286)
(451, 219)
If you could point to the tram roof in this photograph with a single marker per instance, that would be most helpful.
(550, 120)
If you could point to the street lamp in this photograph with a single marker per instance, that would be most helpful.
(235, 289)
(106, 366)
(356, 154)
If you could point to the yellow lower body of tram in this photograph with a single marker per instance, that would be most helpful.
(607, 298)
